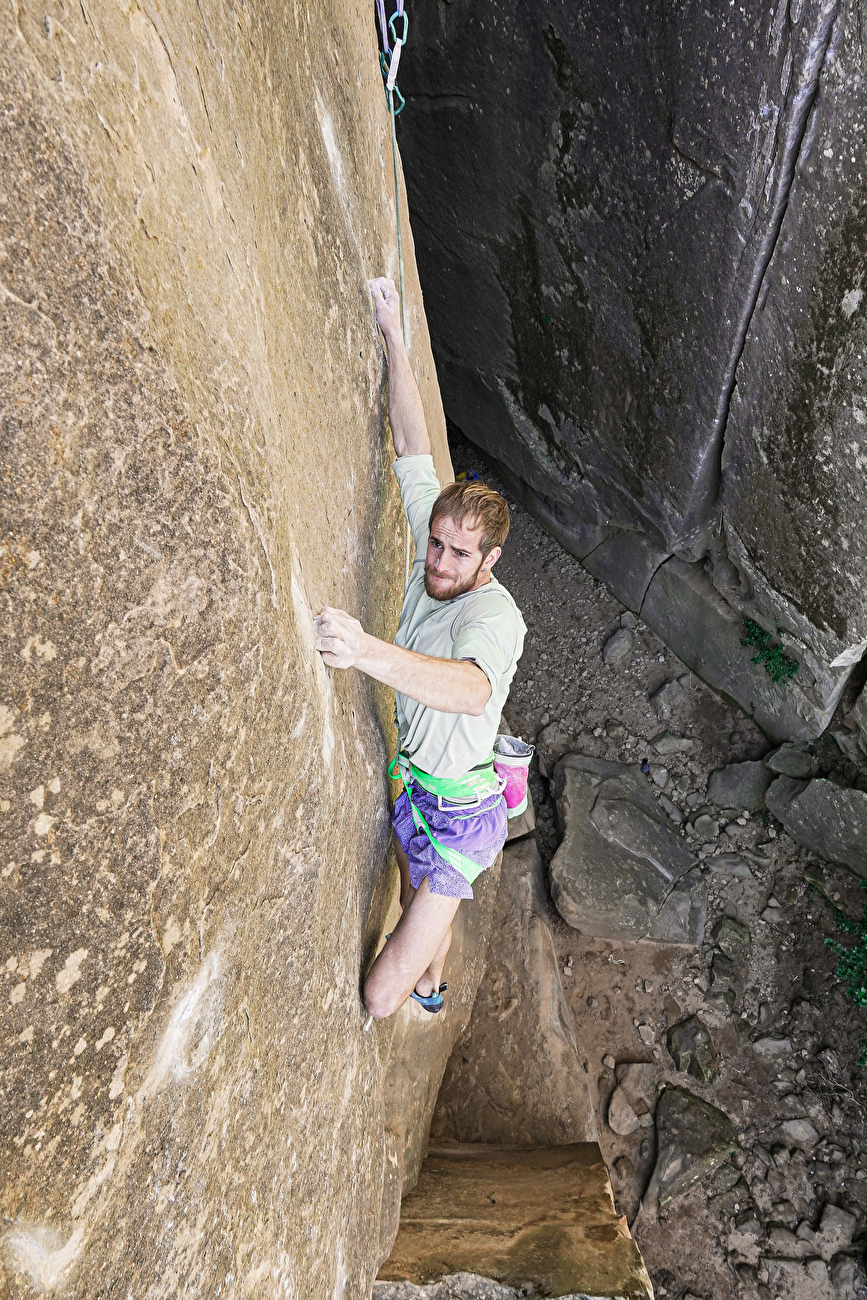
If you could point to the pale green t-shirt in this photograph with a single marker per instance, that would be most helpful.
(483, 625)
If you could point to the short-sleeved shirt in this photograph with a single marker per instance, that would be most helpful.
(484, 625)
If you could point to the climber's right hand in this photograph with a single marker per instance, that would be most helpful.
(386, 301)
(340, 638)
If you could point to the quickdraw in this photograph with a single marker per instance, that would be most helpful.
(389, 58)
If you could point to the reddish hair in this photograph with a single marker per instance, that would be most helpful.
(477, 506)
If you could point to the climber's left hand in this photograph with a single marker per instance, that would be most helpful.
(340, 638)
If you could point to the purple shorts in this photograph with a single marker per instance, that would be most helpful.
(478, 833)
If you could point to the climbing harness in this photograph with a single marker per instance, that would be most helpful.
(389, 61)
(464, 795)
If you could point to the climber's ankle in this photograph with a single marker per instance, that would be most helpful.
(425, 986)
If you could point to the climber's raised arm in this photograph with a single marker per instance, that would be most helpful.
(447, 685)
(405, 411)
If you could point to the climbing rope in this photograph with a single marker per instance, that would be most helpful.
(389, 61)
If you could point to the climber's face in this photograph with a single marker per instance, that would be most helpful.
(454, 562)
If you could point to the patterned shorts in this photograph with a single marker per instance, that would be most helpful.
(479, 834)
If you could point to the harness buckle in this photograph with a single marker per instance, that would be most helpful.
(474, 802)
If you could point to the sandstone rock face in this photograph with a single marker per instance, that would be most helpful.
(515, 1074)
(659, 218)
(621, 871)
(194, 808)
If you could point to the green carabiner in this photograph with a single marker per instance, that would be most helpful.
(392, 20)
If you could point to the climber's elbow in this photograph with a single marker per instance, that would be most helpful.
(481, 692)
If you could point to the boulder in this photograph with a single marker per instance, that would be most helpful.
(666, 743)
(631, 1104)
(848, 1278)
(799, 1133)
(825, 818)
(516, 1074)
(733, 939)
(621, 871)
(791, 760)
(195, 808)
(693, 1139)
(722, 973)
(665, 700)
(617, 650)
(740, 785)
(731, 864)
(692, 1049)
(637, 354)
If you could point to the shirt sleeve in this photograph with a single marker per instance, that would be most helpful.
(489, 636)
(419, 488)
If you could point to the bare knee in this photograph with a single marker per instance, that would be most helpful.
(381, 1002)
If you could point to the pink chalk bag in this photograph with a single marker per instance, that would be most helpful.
(511, 763)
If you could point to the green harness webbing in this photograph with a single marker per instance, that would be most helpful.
(476, 786)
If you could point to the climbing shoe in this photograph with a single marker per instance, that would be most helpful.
(434, 1002)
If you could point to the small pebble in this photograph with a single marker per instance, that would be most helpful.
(609, 1062)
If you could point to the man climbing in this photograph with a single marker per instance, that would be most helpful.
(451, 665)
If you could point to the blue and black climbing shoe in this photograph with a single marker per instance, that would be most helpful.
(434, 1002)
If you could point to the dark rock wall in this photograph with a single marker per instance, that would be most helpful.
(640, 231)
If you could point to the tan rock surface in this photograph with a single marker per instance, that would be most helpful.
(193, 808)
(543, 1217)
(515, 1075)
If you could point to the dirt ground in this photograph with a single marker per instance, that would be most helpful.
(731, 1236)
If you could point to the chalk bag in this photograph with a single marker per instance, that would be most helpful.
(511, 763)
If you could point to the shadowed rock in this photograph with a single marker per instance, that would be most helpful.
(631, 1104)
(824, 817)
(621, 870)
(693, 1138)
(662, 221)
(692, 1049)
(740, 785)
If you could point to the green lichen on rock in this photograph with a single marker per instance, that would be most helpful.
(778, 665)
(852, 964)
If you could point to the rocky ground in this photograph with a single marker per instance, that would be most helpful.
(775, 1045)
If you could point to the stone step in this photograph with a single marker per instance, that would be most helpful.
(537, 1217)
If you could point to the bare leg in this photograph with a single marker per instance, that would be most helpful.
(420, 936)
(429, 982)
(403, 865)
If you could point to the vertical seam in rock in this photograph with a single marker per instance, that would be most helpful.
(650, 582)
(804, 99)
